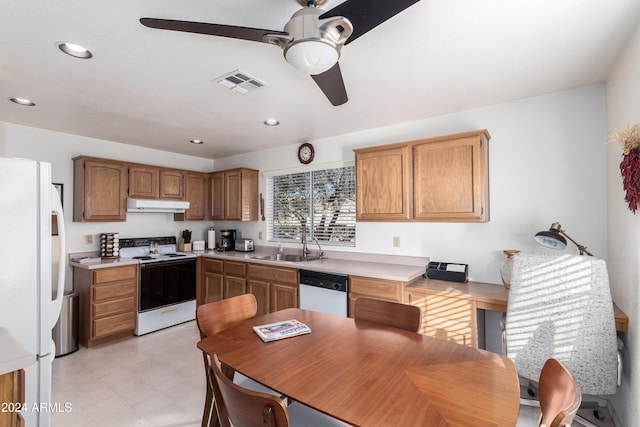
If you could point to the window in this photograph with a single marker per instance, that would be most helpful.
(322, 201)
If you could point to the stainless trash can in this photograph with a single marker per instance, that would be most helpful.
(65, 333)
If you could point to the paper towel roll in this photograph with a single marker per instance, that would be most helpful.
(211, 238)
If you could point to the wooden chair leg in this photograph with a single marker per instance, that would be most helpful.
(208, 406)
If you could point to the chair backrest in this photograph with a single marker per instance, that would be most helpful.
(560, 307)
(212, 318)
(559, 394)
(403, 316)
(218, 315)
(243, 407)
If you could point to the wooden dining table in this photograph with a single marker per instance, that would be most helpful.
(368, 374)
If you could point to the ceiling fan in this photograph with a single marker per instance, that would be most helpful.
(311, 40)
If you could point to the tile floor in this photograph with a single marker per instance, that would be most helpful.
(153, 380)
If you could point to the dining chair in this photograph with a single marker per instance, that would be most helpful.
(559, 395)
(240, 407)
(402, 316)
(211, 319)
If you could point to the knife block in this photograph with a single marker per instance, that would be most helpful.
(184, 247)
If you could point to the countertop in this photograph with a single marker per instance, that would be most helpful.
(339, 263)
(388, 267)
(13, 355)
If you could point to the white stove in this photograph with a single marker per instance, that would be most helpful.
(166, 293)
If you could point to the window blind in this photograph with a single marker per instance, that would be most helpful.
(322, 201)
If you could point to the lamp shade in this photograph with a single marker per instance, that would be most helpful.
(551, 239)
(311, 56)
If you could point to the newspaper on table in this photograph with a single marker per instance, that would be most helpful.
(280, 330)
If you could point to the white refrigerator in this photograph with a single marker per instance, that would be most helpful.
(30, 298)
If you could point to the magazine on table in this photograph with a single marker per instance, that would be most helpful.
(280, 330)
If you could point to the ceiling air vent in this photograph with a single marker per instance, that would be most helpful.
(239, 81)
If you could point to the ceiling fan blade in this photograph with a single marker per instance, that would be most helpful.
(244, 33)
(365, 15)
(331, 84)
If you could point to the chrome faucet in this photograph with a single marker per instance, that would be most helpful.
(320, 253)
(305, 250)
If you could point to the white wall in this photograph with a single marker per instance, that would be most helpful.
(546, 164)
(623, 104)
(59, 148)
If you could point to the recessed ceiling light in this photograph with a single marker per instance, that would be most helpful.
(197, 141)
(23, 101)
(74, 50)
(271, 122)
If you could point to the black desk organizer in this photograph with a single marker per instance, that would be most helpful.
(447, 271)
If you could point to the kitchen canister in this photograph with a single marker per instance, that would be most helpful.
(110, 245)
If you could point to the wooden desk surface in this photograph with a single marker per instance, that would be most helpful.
(367, 374)
(489, 296)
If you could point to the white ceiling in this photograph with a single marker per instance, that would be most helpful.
(157, 88)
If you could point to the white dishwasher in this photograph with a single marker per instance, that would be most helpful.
(324, 292)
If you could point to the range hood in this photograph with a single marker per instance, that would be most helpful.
(150, 205)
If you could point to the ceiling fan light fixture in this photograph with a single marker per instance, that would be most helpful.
(311, 56)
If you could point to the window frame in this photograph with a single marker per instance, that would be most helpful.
(310, 169)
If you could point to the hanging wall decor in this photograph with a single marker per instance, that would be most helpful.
(630, 164)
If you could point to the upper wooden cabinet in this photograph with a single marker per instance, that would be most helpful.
(152, 182)
(451, 178)
(143, 182)
(436, 179)
(99, 190)
(233, 195)
(383, 183)
(171, 184)
(196, 195)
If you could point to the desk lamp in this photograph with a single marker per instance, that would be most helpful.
(554, 238)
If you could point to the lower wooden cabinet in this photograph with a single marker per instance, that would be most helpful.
(210, 280)
(275, 288)
(220, 279)
(235, 278)
(107, 302)
(11, 393)
(443, 315)
(446, 317)
(390, 290)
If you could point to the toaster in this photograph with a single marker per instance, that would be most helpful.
(244, 245)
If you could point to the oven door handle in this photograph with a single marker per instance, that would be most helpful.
(166, 263)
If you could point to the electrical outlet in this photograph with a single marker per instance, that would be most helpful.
(241, 235)
(396, 241)
(88, 239)
(259, 235)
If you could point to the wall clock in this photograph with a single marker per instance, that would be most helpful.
(305, 153)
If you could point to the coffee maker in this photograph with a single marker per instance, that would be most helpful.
(227, 240)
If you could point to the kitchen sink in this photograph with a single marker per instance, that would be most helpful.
(286, 257)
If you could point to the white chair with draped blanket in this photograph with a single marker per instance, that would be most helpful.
(560, 307)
